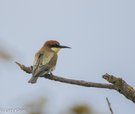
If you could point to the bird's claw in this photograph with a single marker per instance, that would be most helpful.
(51, 74)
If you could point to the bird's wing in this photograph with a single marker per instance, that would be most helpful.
(41, 64)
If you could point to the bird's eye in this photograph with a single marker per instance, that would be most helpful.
(55, 45)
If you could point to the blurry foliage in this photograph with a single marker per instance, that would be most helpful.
(5, 55)
(36, 107)
(4, 52)
(81, 109)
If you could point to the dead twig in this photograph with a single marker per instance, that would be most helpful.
(117, 84)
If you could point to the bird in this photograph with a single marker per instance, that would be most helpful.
(45, 59)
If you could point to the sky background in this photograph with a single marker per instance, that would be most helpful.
(101, 34)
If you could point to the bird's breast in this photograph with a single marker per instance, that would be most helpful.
(47, 58)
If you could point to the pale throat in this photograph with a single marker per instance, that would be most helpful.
(56, 50)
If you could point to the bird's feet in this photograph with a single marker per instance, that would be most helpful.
(51, 74)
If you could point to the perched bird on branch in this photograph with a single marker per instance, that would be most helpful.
(46, 59)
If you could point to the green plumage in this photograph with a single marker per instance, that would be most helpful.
(44, 63)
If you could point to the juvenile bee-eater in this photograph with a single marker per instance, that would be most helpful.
(45, 59)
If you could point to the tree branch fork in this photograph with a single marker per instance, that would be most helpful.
(115, 83)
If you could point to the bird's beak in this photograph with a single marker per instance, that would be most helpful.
(64, 46)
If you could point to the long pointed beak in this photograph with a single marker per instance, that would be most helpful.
(64, 46)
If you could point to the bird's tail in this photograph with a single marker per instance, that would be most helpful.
(33, 80)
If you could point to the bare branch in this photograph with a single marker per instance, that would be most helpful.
(121, 86)
(109, 105)
(70, 81)
(116, 83)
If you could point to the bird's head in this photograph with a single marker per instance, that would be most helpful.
(54, 45)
